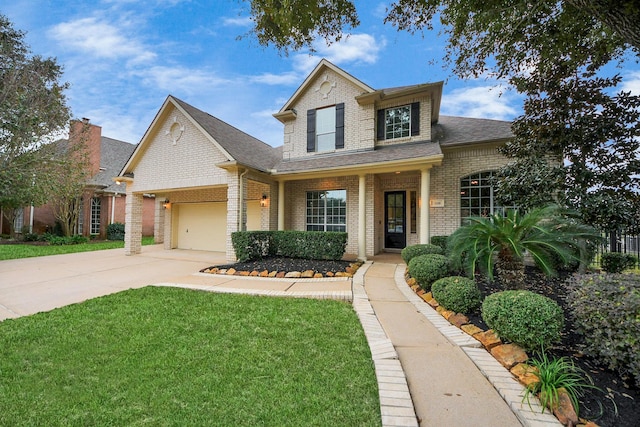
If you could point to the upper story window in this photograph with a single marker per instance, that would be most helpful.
(477, 196)
(398, 122)
(325, 128)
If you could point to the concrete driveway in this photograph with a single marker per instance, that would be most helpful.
(32, 285)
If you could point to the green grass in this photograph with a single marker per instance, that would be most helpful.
(176, 357)
(28, 251)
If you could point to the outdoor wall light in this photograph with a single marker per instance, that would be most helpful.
(264, 202)
(166, 204)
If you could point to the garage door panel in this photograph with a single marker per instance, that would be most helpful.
(202, 226)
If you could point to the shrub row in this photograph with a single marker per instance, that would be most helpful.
(428, 268)
(251, 245)
(606, 309)
(616, 262)
(66, 240)
(411, 252)
(115, 231)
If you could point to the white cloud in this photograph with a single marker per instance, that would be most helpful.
(631, 83)
(242, 21)
(288, 78)
(487, 102)
(181, 79)
(100, 39)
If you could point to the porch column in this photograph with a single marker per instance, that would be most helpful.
(133, 223)
(234, 208)
(425, 184)
(362, 218)
(280, 205)
(158, 219)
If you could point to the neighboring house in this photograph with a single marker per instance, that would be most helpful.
(382, 165)
(103, 201)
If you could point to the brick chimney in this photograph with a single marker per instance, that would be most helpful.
(83, 132)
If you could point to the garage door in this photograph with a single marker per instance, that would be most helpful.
(202, 226)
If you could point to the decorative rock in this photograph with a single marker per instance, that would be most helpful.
(446, 313)
(307, 274)
(342, 274)
(488, 339)
(330, 274)
(429, 296)
(318, 276)
(433, 303)
(426, 297)
(565, 411)
(264, 273)
(440, 309)
(213, 270)
(273, 273)
(293, 274)
(350, 270)
(509, 355)
(254, 273)
(222, 271)
(231, 271)
(411, 282)
(458, 319)
(420, 292)
(280, 275)
(471, 329)
(242, 273)
(526, 374)
(415, 288)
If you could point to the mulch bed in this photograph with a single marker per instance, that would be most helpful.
(615, 393)
(289, 264)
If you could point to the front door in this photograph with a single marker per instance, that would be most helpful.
(395, 236)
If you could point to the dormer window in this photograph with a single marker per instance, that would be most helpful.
(325, 128)
(399, 122)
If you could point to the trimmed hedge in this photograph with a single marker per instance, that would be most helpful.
(66, 240)
(413, 251)
(115, 231)
(524, 318)
(251, 245)
(428, 268)
(606, 310)
(440, 241)
(617, 262)
(457, 293)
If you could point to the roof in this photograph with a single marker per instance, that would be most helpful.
(452, 131)
(242, 147)
(113, 156)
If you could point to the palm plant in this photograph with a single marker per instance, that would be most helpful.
(546, 234)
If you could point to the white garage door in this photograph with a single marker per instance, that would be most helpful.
(202, 226)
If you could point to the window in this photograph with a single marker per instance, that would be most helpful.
(399, 122)
(18, 221)
(477, 196)
(327, 210)
(325, 128)
(81, 216)
(95, 215)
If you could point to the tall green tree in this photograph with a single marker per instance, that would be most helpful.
(32, 110)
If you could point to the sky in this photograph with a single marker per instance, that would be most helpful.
(123, 58)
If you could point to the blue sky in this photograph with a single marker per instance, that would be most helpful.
(123, 57)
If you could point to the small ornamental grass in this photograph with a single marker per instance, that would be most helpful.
(553, 375)
(456, 293)
(524, 318)
(413, 251)
(426, 269)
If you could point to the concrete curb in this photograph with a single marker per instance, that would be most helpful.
(502, 380)
(396, 406)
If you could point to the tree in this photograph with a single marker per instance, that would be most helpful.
(32, 109)
(500, 242)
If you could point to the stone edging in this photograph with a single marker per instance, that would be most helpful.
(502, 380)
(396, 405)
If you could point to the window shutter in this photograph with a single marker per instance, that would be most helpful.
(415, 118)
(380, 125)
(339, 125)
(311, 131)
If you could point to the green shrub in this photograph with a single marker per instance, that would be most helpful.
(524, 318)
(251, 245)
(30, 237)
(440, 241)
(67, 240)
(616, 262)
(413, 251)
(115, 231)
(428, 268)
(606, 309)
(456, 293)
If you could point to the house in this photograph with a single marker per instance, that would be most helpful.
(382, 165)
(103, 201)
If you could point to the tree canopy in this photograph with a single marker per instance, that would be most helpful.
(32, 109)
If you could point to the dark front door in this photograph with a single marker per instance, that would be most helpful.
(395, 236)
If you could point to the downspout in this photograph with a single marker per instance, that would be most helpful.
(241, 199)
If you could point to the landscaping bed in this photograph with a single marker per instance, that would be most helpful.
(283, 265)
(615, 394)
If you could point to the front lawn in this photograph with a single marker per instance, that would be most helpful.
(15, 251)
(168, 356)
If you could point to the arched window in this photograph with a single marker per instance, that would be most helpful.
(476, 196)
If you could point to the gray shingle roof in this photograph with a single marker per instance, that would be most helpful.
(113, 156)
(451, 130)
(244, 148)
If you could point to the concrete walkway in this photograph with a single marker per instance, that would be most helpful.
(429, 372)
